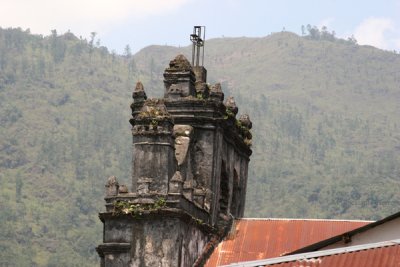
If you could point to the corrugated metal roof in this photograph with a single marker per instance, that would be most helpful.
(257, 239)
(381, 254)
(324, 243)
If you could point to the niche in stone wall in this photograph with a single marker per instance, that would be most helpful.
(236, 193)
(223, 189)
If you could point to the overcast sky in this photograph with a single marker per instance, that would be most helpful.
(140, 23)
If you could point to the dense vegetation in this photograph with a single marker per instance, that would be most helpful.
(326, 131)
(64, 106)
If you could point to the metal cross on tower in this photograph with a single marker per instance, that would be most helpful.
(198, 41)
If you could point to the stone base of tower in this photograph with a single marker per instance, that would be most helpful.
(158, 240)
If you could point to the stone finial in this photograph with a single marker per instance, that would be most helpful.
(139, 94)
(231, 105)
(179, 63)
(246, 125)
(123, 189)
(216, 88)
(112, 186)
(202, 90)
(144, 185)
(176, 183)
(139, 87)
(216, 92)
(245, 121)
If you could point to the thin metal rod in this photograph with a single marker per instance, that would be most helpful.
(193, 51)
(204, 42)
(198, 46)
(193, 46)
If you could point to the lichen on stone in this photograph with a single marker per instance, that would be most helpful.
(231, 105)
(216, 88)
(136, 210)
(216, 93)
(245, 121)
(153, 108)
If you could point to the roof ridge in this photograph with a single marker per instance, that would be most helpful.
(302, 219)
(316, 254)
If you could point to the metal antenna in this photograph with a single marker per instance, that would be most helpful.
(198, 41)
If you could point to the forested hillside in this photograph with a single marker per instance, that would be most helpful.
(326, 140)
(64, 105)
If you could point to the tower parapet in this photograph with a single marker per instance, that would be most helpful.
(189, 174)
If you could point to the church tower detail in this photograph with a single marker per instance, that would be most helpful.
(189, 174)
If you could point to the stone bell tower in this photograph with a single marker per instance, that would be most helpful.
(189, 174)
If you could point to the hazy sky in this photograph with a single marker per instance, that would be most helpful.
(144, 22)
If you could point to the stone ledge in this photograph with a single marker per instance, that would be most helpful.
(201, 221)
(111, 248)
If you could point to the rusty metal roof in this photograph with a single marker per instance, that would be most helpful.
(324, 243)
(256, 239)
(381, 254)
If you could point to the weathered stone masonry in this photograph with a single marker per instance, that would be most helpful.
(189, 174)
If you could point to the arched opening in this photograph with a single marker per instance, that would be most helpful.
(223, 189)
(235, 206)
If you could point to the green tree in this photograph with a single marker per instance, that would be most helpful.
(18, 187)
(152, 68)
(127, 52)
(58, 47)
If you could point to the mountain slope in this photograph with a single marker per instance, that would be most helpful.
(64, 128)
